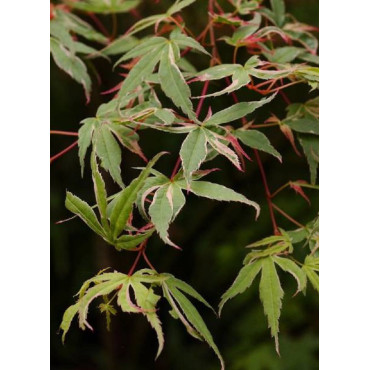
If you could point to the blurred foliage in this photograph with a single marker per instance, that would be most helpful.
(213, 245)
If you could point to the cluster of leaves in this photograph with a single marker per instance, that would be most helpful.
(142, 284)
(277, 251)
(282, 52)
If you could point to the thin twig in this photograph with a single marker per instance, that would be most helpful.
(64, 151)
(141, 250)
(65, 133)
(147, 261)
(204, 92)
(291, 219)
(267, 192)
(176, 168)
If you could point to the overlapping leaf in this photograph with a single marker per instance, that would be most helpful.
(144, 301)
(103, 133)
(104, 6)
(168, 198)
(64, 48)
(113, 216)
(184, 310)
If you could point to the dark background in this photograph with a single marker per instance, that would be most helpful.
(212, 235)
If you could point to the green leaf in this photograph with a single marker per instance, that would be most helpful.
(68, 316)
(139, 72)
(100, 192)
(274, 250)
(186, 288)
(128, 242)
(193, 151)
(304, 125)
(244, 31)
(216, 142)
(128, 138)
(297, 235)
(100, 277)
(178, 199)
(120, 45)
(308, 74)
(161, 211)
(271, 295)
(195, 320)
(240, 78)
(146, 22)
(178, 5)
(257, 140)
(177, 314)
(124, 203)
(285, 54)
(84, 139)
(149, 276)
(71, 64)
(310, 145)
(268, 240)
(308, 57)
(219, 192)
(242, 282)
(291, 267)
(144, 47)
(278, 8)
(147, 300)
(61, 33)
(236, 111)
(218, 72)
(108, 309)
(306, 39)
(80, 27)
(84, 49)
(173, 83)
(122, 301)
(85, 212)
(311, 265)
(182, 40)
(104, 6)
(165, 115)
(109, 152)
(98, 290)
(151, 184)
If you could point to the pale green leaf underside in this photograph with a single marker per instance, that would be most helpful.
(100, 192)
(193, 151)
(84, 140)
(173, 83)
(85, 212)
(71, 64)
(109, 152)
(160, 212)
(68, 316)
